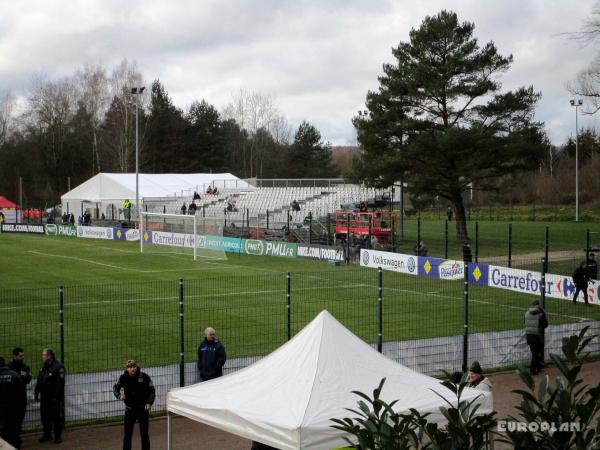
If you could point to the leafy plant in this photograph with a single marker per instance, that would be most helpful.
(560, 416)
(379, 427)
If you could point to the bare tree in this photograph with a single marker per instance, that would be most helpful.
(7, 103)
(51, 107)
(93, 92)
(254, 111)
(119, 136)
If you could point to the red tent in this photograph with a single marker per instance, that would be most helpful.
(6, 203)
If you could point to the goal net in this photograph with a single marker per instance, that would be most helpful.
(198, 237)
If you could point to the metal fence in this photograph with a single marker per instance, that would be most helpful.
(429, 325)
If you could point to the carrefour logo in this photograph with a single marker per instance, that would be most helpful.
(253, 247)
(366, 257)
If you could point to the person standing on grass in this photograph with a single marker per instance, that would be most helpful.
(13, 401)
(135, 388)
(211, 356)
(50, 391)
(535, 326)
(580, 279)
(592, 267)
(477, 380)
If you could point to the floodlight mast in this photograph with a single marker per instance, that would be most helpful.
(137, 91)
(576, 103)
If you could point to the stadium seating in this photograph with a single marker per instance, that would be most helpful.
(319, 201)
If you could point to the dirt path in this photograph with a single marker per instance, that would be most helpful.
(527, 258)
(192, 435)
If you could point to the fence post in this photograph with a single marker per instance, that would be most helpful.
(446, 239)
(465, 364)
(587, 244)
(477, 241)
(288, 225)
(181, 337)
(546, 245)
(267, 219)
(288, 304)
(61, 321)
(379, 310)
(543, 286)
(310, 228)
(418, 234)
(369, 243)
(393, 233)
(348, 239)
(248, 220)
(510, 245)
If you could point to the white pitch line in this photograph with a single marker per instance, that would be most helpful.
(134, 300)
(120, 267)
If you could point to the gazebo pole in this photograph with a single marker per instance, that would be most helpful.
(169, 431)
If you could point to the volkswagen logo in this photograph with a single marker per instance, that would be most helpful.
(411, 264)
(365, 258)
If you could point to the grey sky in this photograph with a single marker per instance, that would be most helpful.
(318, 58)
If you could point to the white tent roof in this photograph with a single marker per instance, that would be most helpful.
(287, 399)
(121, 186)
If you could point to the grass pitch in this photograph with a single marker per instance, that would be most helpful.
(119, 304)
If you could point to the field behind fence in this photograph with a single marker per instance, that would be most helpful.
(427, 324)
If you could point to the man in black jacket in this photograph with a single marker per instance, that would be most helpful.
(135, 388)
(50, 391)
(535, 326)
(211, 356)
(592, 267)
(13, 400)
(18, 365)
(580, 279)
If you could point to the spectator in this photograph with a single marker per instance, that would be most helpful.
(127, 209)
(18, 365)
(421, 249)
(196, 196)
(87, 218)
(135, 388)
(211, 356)
(2, 218)
(215, 191)
(295, 205)
(209, 191)
(72, 219)
(592, 267)
(233, 225)
(102, 217)
(192, 209)
(362, 207)
(477, 380)
(580, 279)
(374, 241)
(80, 220)
(50, 391)
(307, 219)
(323, 240)
(467, 255)
(535, 326)
(449, 213)
(183, 208)
(13, 401)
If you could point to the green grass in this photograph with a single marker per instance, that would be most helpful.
(119, 304)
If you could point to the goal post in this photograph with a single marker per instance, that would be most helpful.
(175, 224)
(183, 234)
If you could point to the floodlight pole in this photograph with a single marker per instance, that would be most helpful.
(576, 104)
(137, 91)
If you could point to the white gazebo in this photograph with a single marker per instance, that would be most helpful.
(286, 400)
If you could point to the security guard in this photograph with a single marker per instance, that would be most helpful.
(18, 365)
(135, 388)
(50, 390)
(13, 400)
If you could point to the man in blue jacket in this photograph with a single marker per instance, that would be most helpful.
(211, 356)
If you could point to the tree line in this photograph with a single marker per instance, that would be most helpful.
(72, 128)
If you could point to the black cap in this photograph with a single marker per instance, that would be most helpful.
(476, 368)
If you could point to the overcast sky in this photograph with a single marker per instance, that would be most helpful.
(318, 58)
